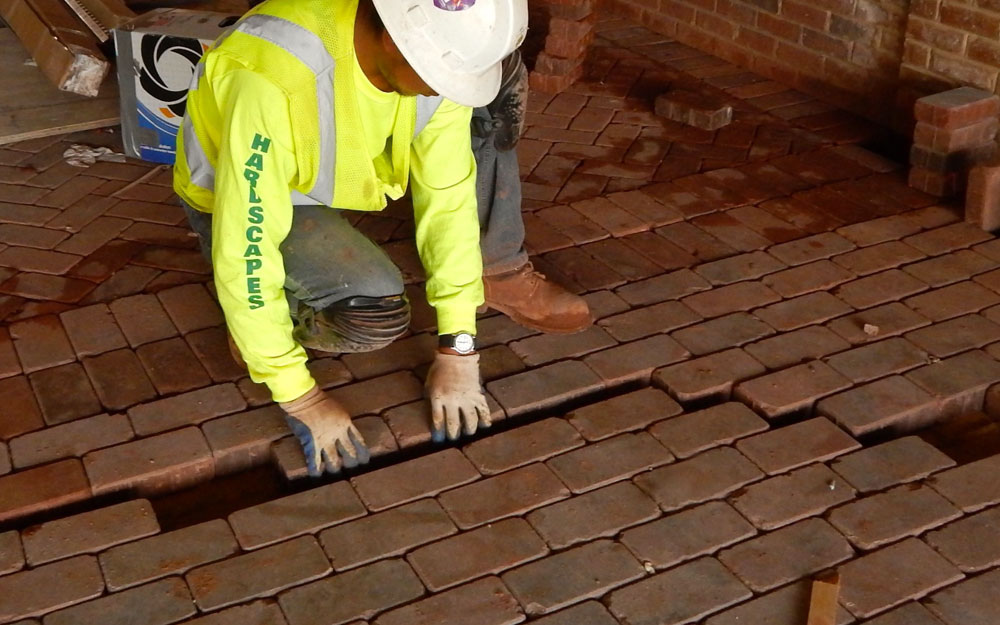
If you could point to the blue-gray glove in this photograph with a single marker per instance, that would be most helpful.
(328, 437)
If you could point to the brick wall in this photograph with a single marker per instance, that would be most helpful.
(859, 54)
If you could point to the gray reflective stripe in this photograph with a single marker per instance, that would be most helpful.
(201, 170)
(308, 48)
(426, 106)
(199, 71)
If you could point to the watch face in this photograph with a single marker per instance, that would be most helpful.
(464, 343)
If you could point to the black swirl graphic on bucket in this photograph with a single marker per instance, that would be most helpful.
(152, 50)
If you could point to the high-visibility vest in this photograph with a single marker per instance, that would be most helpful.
(312, 42)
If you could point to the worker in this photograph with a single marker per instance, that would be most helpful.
(308, 108)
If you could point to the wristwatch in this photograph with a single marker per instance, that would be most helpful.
(462, 343)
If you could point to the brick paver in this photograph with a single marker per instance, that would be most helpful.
(787, 605)
(414, 479)
(628, 412)
(793, 446)
(968, 602)
(970, 543)
(50, 587)
(599, 513)
(970, 486)
(159, 603)
(89, 532)
(523, 445)
(484, 602)
(787, 498)
(508, 494)
(894, 462)
(608, 461)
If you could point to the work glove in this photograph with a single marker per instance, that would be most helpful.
(326, 433)
(457, 400)
(508, 108)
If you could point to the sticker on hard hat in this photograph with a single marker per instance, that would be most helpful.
(454, 5)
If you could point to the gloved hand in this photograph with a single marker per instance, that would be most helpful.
(457, 400)
(326, 433)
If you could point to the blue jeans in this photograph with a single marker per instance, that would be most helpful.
(327, 261)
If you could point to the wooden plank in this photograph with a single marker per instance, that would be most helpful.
(823, 602)
(31, 107)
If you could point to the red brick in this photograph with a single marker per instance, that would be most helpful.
(970, 543)
(795, 445)
(661, 288)
(971, 486)
(119, 379)
(609, 461)
(142, 319)
(626, 261)
(89, 532)
(610, 217)
(172, 366)
(891, 515)
(191, 308)
(635, 361)
(486, 550)
(791, 390)
(688, 434)
(41, 343)
(522, 445)
(385, 534)
(157, 464)
(895, 462)
(959, 382)
(878, 359)
(952, 301)
(19, 412)
(375, 395)
(290, 516)
(785, 499)
(166, 554)
(186, 409)
(951, 268)
(64, 393)
(92, 330)
(256, 613)
(546, 348)
(212, 349)
(957, 335)
(646, 207)
(933, 182)
(572, 223)
(484, 602)
(47, 588)
(42, 488)
(604, 304)
(29, 236)
(983, 195)
(39, 261)
(408, 353)
(877, 323)
(361, 593)
(878, 257)
(892, 402)
(680, 595)
(795, 347)
(731, 231)
(11, 553)
(167, 214)
(585, 270)
(718, 334)
(879, 288)
(571, 576)
(958, 107)
(787, 605)
(404, 482)
(707, 377)
(877, 581)
(706, 476)
(543, 387)
(738, 268)
(257, 574)
(243, 440)
(811, 249)
(600, 513)
(9, 364)
(508, 494)
(969, 602)
(817, 276)
(731, 298)
(160, 603)
(686, 535)
(948, 238)
(632, 411)
(410, 423)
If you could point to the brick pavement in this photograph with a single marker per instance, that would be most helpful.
(776, 311)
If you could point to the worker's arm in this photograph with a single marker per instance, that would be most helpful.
(443, 180)
(251, 217)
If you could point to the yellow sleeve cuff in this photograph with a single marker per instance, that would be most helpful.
(456, 318)
(290, 384)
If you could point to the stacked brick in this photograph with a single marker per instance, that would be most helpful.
(570, 32)
(955, 131)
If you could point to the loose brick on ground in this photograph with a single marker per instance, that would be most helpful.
(721, 333)
(544, 387)
(785, 499)
(256, 613)
(142, 319)
(385, 534)
(69, 439)
(89, 532)
(688, 434)
(523, 445)
(191, 308)
(796, 445)
(781, 607)
(787, 554)
(877, 323)
(708, 475)
(888, 464)
(64, 393)
(11, 552)
(156, 464)
(648, 320)
(878, 257)
(741, 267)
(361, 593)
(545, 348)
(160, 603)
(587, 613)
(508, 494)
(886, 517)
(943, 270)
(791, 390)
(256, 574)
(413, 479)
(600, 513)
(802, 311)
(42, 488)
(484, 602)
(732, 298)
(812, 248)
(571, 576)
(948, 238)
(887, 286)
(41, 343)
(952, 301)
(795, 347)
(878, 359)
(167, 554)
(487, 550)
(886, 578)
(971, 486)
(970, 602)
(685, 594)
(673, 285)
(687, 534)
(50, 587)
(708, 377)
(608, 461)
(893, 402)
(631, 411)
(635, 361)
(301, 513)
(960, 382)
(243, 440)
(92, 330)
(970, 543)
(186, 409)
(119, 379)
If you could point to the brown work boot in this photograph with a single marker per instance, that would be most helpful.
(528, 298)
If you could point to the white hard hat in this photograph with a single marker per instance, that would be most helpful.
(456, 46)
